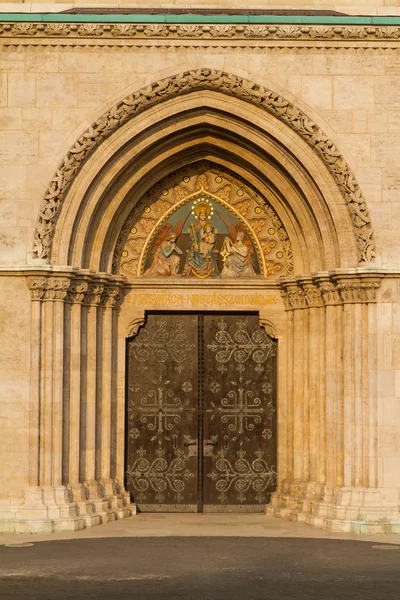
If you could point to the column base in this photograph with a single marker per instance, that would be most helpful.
(341, 509)
(49, 509)
(45, 509)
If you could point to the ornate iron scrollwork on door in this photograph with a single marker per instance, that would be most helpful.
(201, 413)
(241, 409)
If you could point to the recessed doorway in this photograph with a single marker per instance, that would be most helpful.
(201, 413)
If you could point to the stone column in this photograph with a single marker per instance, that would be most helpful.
(37, 286)
(46, 507)
(77, 374)
(109, 304)
(76, 298)
(290, 391)
(331, 299)
(57, 293)
(93, 300)
(315, 389)
(300, 339)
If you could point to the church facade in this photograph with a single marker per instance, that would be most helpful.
(200, 293)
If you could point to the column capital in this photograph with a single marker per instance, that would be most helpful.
(37, 287)
(356, 291)
(111, 296)
(77, 292)
(94, 294)
(57, 288)
(313, 295)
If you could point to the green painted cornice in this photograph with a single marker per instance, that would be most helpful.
(199, 19)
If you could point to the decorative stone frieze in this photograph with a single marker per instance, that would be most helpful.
(180, 85)
(177, 33)
(357, 292)
(75, 290)
(329, 291)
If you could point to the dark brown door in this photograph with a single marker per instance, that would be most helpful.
(239, 392)
(201, 400)
(162, 433)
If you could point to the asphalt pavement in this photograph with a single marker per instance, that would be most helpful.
(199, 568)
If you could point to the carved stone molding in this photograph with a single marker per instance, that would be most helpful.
(296, 298)
(330, 294)
(177, 33)
(135, 325)
(314, 292)
(180, 85)
(268, 327)
(312, 295)
(356, 292)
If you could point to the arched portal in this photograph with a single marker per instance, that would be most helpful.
(290, 239)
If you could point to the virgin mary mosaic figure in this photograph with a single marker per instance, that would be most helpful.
(201, 258)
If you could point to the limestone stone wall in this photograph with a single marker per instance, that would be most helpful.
(50, 95)
(15, 385)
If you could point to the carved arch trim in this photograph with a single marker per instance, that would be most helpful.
(180, 85)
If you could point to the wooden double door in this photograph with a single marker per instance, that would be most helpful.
(201, 413)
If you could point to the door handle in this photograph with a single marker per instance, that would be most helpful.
(208, 445)
(192, 443)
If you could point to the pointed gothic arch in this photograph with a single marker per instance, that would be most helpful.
(309, 165)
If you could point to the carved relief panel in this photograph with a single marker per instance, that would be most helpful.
(202, 222)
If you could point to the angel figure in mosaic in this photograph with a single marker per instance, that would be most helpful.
(166, 261)
(237, 256)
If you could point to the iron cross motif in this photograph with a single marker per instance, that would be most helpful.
(240, 410)
(160, 409)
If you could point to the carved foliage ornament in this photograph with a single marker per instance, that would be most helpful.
(328, 293)
(204, 79)
(191, 31)
(73, 291)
